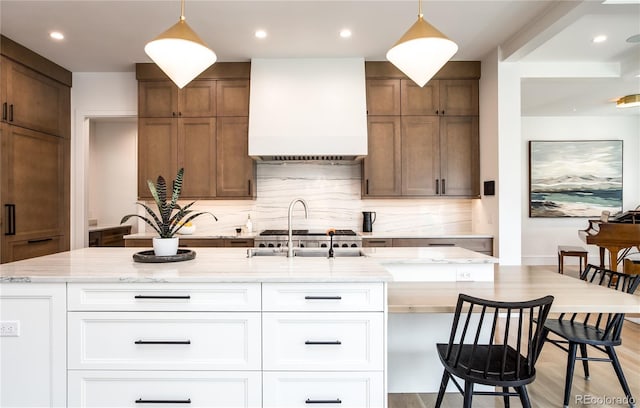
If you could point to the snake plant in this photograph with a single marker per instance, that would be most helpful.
(171, 216)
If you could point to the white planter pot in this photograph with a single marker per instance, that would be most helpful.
(165, 246)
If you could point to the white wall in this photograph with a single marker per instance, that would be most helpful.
(541, 236)
(112, 187)
(93, 95)
(485, 215)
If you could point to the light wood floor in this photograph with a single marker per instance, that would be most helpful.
(548, 388)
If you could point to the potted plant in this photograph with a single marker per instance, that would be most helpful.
(171, 216)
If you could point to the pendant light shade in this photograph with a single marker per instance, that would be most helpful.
(421, 51)
(180, 53)
(628, 101)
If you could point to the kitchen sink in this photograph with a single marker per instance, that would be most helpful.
(305, 252)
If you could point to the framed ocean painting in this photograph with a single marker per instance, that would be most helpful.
(575, 178)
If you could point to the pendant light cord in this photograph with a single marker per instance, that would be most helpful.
(182, 11)
(419, 8)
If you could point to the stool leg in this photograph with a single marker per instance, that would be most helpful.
(560, 260)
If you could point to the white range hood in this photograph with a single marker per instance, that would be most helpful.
(308, 109)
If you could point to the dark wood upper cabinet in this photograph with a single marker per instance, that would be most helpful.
(383, 97)
(197, 155)
(157, 152)
(233, 98)
(163, 99)
(427, 144)
(235, 169)
(34, 101)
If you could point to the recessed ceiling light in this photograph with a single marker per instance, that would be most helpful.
(261, 34)
(599, 39)
(345, 33)
(56, 35)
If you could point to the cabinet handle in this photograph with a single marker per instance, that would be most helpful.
(11, 113)
(173, 114)
(373, 241)
(162, 297)
(162, 342)
(443, 113)
(441, 245)
(37, 241)
(443, 188)
(238, 242)
(437, 112)
(179, 113)
(335, 401)
(11, 219)
(248, 187)
(141, 401)
(329, 343)
(367, 187)
(437, 186)
(4, 111)
(323, 297)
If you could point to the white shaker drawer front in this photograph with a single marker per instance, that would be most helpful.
(112, 389)
(183, 297)
(321, 297)
(164, 341)
(323, 341)
(326, 389)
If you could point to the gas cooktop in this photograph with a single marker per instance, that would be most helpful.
(338, 232)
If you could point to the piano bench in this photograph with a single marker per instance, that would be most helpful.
(571, 251)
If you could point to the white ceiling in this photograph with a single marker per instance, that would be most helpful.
(554, 37)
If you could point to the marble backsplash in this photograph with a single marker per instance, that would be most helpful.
(332, 193)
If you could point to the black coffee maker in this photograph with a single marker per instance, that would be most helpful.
(368, 218)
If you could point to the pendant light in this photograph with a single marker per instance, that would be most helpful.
(628, 101)
(180, 53)
(421, 51)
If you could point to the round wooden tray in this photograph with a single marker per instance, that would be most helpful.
(150, 257)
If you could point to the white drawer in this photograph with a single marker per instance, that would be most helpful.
(115, 340)
(302, 389)
(284, 297)
(183, 297)
(211, 389)
(323, 341)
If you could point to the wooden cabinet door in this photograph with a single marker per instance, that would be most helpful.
(233, 97)
(459, 152)
(420, 155)
(197, 154)
(383, 97)
(423, 101)
(197, 100)
(459, 97)
(381, 168)
(35, 193)
(235, 169)
(35, 101)
(157, 99)
(157, 152)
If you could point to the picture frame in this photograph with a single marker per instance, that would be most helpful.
(575, 178)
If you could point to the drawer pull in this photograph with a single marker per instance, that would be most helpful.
(162, 297)
(162, 342)
(335, 401)
(314, 343)
(323, 297)
(442, 245)
(141, 401)
(38, 241)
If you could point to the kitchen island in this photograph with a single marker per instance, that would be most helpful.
(261, 302)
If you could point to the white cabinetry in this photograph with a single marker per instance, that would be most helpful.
(33, 362)
(132, 344)
(323, 343)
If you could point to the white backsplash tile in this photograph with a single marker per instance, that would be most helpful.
(332, 192)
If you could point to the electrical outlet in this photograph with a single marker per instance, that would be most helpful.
(463, 276)
(10, 328)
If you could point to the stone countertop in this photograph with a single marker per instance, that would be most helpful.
(420, 235)
(511, 283)
(226, 265)
(196, 235)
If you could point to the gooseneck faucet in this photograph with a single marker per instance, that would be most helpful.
(306, 215)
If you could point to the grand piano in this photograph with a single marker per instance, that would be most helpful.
(618, 235)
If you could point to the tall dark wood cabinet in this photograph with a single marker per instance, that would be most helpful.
(35, 154)
(202, 127)
(436, 152)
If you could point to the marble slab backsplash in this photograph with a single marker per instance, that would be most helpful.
(333, 196)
